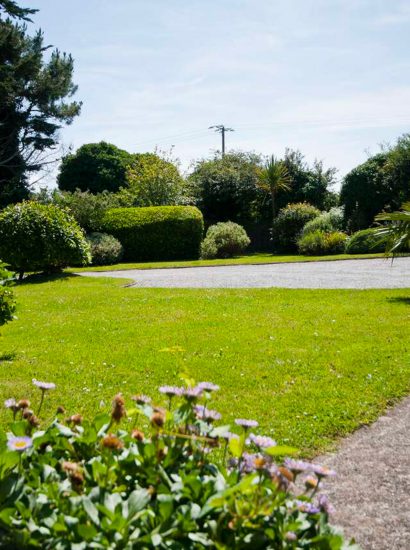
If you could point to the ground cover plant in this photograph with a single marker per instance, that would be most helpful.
(309, 365)
(150, 477)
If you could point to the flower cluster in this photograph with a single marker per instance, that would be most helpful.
(155, 476)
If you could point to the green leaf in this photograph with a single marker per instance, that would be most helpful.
(137, 501)
(235, 447)
(91, 510)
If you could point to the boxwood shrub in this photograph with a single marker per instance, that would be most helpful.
(365, 242)
(41, 237)
(156, 233)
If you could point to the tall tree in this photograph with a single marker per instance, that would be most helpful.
(35, 83)
(274, 177)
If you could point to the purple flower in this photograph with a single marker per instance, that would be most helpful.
(44, 386)
(19, 443)
(141, 399)
(193, 393)
(10, 404)
(307, 507)
(322, 471)
(291, 536)
(246, 423)
(171, 391)
(261, 441)
(206, 414)
(208, 386)
(325, 505)
(298, 466)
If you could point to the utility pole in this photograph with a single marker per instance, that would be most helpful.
(221, 129)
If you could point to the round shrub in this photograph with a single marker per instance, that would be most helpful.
(41, 237)
(105, 249)
(156, 233)
(365, 241)
(289, 223)
(327, 221)
(317, 243)
(224, 240)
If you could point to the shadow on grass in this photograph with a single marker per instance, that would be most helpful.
(40, 278)
(8, 356)
(399, 300)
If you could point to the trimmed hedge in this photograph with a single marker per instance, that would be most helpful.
(156, 233)
(365, 241)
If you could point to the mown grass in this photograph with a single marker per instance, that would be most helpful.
(259, 258)
(309, 365)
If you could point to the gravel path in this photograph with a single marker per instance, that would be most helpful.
(374, 273)
(371, 492)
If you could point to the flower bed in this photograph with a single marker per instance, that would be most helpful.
(155, 476)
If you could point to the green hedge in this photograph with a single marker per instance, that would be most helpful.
(156, 233)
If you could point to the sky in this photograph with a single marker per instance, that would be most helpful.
(328, 77)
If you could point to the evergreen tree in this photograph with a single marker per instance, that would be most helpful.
(34, 87)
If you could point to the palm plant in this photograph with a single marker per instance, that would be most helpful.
(397, 232)
(274, 177)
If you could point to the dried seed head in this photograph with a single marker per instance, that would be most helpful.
(27, 414)
(138, 435)
(111, 441)
(75, 419)
(60, 410)
(158, 419)
(34, 421)
(118, 408)
(23, 404)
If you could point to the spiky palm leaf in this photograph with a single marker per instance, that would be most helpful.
(274, 177)
(397, 232)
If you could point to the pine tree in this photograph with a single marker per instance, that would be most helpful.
(35, 83)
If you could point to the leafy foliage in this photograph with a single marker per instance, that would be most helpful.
(105, 249)
(94, 167)
(151, 482)
(38, 237)
(156, 232)
(274, 177)
(366, 241)
(397, 233)
(153, 180)
(7, 302)
(381, 183)
(226, 188)
(34, 102)
(224, 240)
(319, 242)
(289, 223)
(326, 221)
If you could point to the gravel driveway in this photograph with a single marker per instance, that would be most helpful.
(372, 273)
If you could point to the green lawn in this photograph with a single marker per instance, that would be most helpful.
(310, 365)
(259, 258)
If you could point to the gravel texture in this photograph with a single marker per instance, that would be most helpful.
(371, 493)
(372, 273)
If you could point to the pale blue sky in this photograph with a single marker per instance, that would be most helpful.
(330, 77)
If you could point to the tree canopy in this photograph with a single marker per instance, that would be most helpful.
(35, 84)
(94, 167)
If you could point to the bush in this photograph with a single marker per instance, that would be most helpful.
(152, 482)
(365, 241)
(327, 221)
(317, 243)
(289, 223)
(86, 208)
(94, 167)
(7, 303)
(156, 233)
(224, 240)
(39, 237)
(105, 249)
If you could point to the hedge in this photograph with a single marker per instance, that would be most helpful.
(156, 233)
